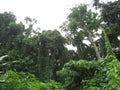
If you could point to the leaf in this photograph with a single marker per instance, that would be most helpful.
(2, 57)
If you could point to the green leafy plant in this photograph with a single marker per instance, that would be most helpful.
(22, 81)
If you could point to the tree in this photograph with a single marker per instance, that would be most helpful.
(82, 24)
(5, 20)
(89, 75)
(111, 22)
(30, 23)
(52, 54)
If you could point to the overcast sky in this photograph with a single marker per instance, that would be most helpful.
(49, 13)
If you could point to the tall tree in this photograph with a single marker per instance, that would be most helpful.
(82, 24)
(52, 54)
(110, 17)
(112, 21)
(9, 28)
(5, 19)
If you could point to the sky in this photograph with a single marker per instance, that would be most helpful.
(50, 14)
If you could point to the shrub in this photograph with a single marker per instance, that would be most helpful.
(21, 81)
(103, 74)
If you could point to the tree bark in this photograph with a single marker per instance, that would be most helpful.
(92, 42)
(94, 45)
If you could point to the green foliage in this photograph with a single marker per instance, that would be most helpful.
(21, 81)
(110, 13)
(89, 75)
(45, 53)
(82, 24)
(107, 76)
(107, 43)
(74, 72)
(41, 54)
(51, 54)
(11, 80)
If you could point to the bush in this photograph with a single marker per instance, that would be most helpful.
(103, 74)
(21, 81)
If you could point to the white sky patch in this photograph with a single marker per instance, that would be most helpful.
(118, 37)
(49, 13)
(86, 42)
(71, 47)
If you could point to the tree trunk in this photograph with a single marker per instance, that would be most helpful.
(94, 45)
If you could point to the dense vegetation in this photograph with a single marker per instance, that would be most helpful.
(39, 60)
